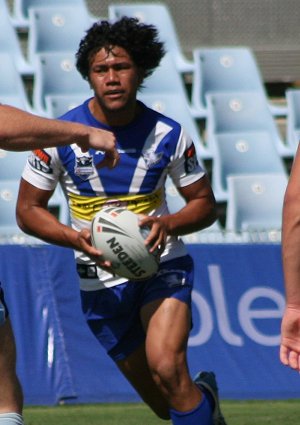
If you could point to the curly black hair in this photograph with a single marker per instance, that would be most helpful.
(139, 40)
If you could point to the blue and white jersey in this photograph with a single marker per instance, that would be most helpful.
(151, 147)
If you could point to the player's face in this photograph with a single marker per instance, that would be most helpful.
(115, 80)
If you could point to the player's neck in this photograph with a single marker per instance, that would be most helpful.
(114, 118)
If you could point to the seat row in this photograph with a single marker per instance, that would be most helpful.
(253, 211)
(241, 136)
(60, 25)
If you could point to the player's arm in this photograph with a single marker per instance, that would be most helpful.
(21, 131)
(290, 327)
(34, 219)
(198, 213)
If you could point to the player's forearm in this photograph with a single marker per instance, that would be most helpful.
(22, 131)
(40, 223)
(290, 251)
(194, 216)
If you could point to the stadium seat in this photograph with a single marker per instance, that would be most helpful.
(159, 15)
(212, 234)
(9, 229)
(56, 29)
(9, 41)
(226, 69)
(243, 153)
(21, 8)
(293, 118)
(58, 105)
(165, 79)
(255, 202)
(56, 74)
(12, 89)
(12, 164)
(242, 112)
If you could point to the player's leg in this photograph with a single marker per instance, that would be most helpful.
(168, 324)
(166, 318)
(135, 368)
(11, 396)
(161, 376)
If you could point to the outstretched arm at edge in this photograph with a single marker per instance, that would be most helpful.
(290, 327)
(21, 131)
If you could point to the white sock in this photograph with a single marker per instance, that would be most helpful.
(11, 419)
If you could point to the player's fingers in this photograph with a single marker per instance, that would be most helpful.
(283, 354)
(294, 360)
(110, 160)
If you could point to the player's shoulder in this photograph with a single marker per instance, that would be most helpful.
(159, 117)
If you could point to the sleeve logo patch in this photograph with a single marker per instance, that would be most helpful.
(41, 161)
(190, 159)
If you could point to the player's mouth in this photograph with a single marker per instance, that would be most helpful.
(114, 94)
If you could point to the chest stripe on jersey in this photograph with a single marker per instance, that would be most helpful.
(85, 207)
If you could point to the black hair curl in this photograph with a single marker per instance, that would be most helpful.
(139, 40)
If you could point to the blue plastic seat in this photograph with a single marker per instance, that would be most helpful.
(242, 112)
(243, 153)
(226, 69)
(56, 29)
(9, 229)
(255, 202)
(8, 198)
(212, 234)
(9, 41)
(12, 164)
(293, 118)
(21, 8)
(12, 88)
(56, 74)
(165, 79)
(58, 105)
(159, 15)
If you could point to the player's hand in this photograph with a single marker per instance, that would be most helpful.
(105, 141)
(290, 338)
(157, 237)
(85, 245)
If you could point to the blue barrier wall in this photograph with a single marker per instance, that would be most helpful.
(237, 307)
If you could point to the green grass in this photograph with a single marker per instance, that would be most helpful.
(236, 413)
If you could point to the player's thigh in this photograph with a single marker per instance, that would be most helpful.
(7, 347)
(167, 323)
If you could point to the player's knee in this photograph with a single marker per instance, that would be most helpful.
(167, 370)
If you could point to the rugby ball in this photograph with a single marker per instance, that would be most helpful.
(115, 231)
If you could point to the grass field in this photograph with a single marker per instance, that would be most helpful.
(236, 412)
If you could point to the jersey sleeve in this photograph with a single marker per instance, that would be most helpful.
(185, 168)
(42, 169)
